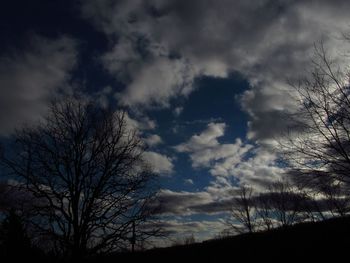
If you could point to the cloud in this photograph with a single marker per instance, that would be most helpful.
(178, 110)
(213, 207)
(153, 140)
(161, 164)
(258, 170)
(188, 182)
(30, 78)
(180, 203)
(268, 43)
(207, 138)
(156, 82)
(152, 73)
(205, 150)
(103, 96)
(158, 49)
(248, 164)
(210, 201)
(139, 123)
(269, 110)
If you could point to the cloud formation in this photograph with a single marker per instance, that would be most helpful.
(153, 140)
(206, 151)
(245, 162)
(180, 203)
(161, 164)
(30, 78)
(210, 201)
(138, 123)
(160, 47)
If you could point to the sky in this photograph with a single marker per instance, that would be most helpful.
(206, 82)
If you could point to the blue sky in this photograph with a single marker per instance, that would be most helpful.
(205, 82)
(203, 106)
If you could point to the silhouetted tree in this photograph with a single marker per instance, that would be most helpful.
(190, 240)
(226, 233)
(242, 216)
(318, 147)
(185, 240)
(336, 198)
(285, 203)
(15, 242)
(264, 211)
(85, 168)
(313, 207)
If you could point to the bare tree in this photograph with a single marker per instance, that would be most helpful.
(336, 198)
(189, 240)
(264, 211)
(320, 146)
(242, 217)
(313, 207)
(285, 203)
(184, 240)
(84, 167)
(317, 149)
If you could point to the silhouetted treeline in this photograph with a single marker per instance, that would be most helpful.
(284, 204)
(326, 240)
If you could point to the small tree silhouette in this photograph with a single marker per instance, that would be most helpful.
(242, 217)
(190, 240)
(15, 241)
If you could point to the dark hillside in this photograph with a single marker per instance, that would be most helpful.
(327, 239)
(322, 240)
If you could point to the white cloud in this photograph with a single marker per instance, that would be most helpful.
(267, 43)
(161, 164)
(188, 182)
(140, 124)
(251, 165)
(29, 78)
(258, 170)
(153, 140)
(208, 138)
(155, 82)
(206, 151)
(178, 111)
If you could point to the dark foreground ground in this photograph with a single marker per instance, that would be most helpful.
(325, 241)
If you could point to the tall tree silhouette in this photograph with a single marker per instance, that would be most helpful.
(317, 148)
(85, 168)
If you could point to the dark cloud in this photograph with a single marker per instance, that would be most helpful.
(29, 78)
(180, 203)
(184, 203)
(220, 206)
(15, 197)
